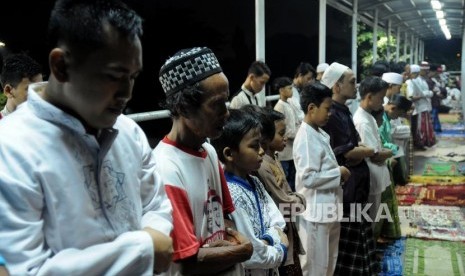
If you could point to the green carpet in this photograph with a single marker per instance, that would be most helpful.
(433, 258)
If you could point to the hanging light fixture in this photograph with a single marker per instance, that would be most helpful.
(436, 4)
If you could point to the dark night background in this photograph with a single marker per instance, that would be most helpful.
(227, 27)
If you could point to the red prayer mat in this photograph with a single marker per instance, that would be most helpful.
(445, 195)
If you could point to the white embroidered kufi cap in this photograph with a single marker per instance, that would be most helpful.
(333, 74)
(393, 78)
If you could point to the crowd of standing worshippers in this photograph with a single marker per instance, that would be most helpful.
(249, 190)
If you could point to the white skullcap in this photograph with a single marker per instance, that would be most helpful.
(393, 78)
(322, 67)
(414, 68)
(333, 74)
(424, 65)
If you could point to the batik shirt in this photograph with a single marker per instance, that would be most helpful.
(257, 217)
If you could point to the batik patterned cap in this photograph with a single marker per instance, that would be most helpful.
(187, 67)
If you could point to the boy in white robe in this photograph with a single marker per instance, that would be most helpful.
(319, 178)
(372, 91)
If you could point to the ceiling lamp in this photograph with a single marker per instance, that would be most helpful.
(436, 4)
(439, 14)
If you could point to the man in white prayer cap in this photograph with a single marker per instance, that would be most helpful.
(395, 81)
(400, 128)
(320, 69)
(356, 254)
(333, 73)
(414, 68)
(420, 94)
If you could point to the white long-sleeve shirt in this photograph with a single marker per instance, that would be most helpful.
(72, 205)
(367, 128)
(292, 125)
(245, 97)
(295, 102)
(318, 176)
(419, 88)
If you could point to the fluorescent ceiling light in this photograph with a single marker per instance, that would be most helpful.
(442, 22)
(439, 14)
(447, 35)
(436, 4)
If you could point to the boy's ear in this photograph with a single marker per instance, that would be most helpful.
(369, 95)
(227, 153)
(58, 64)
(310, 107)
(7, 90)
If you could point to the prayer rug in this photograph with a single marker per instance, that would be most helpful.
(455, 126)
(440, 169)
(393, 255)
(450, 133)
(449, 118)
(433, 222)
(437, 180)
(434, 258)
(448, 150)
(445, 195)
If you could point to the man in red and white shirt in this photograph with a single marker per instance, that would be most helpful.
(196, 95)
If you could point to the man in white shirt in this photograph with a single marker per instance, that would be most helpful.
(258, 75)
(79, 193)
(372, 91)
(304, 75)
(418, 92)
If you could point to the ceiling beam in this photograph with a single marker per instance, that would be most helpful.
(373, 5)
(406, 17)
(448, 9)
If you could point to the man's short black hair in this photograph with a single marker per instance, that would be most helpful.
(16, 67)
(372, 85)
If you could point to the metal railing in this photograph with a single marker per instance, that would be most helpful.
(162, 114)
